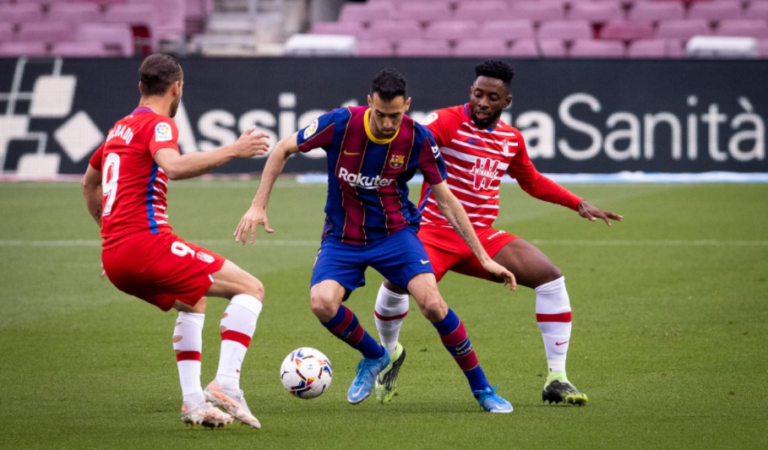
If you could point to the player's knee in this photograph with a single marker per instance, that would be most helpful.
(255, 287)
(323, 307)
(552, 273)
(434, 308)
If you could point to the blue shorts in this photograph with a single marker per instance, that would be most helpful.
(398, 257)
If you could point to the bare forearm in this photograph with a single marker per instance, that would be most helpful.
(457, 217)
(195, 164)
(272, 170)
(93, 198)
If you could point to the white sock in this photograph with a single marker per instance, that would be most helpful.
(188, 345)
(389, 313)
(553, 313)
(237, 327)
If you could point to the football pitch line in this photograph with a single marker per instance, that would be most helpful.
(315, 243)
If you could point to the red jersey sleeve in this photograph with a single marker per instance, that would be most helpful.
(537, 185)
(164, 134)
(97, 158)
(442, 125)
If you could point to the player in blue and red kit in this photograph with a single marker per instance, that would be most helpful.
(372, 153)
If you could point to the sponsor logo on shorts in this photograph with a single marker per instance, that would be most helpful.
(205, 257)
(163, 132)
(311, 129)
(358, 180)
(424, 262)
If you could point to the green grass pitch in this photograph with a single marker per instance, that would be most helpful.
(669, 337)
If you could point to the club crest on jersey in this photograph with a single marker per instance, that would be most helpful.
(505, 146)
(429, 119)
(163, 132)
(311, 129)
(484, 172)
(396, 161)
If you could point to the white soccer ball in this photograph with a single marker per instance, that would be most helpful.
(306, 373)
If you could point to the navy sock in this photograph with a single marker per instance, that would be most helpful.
(346, 327)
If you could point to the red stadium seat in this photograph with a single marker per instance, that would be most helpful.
(425, 12)
(627, 31)
(655, 48)
(507, 29)
(394, 30)
(596, 12)
(534, 48)
(480, 11)
(74, 12)
(451, 30)
(47, 32)
(481, 47)
(756, 10)
(6, 31)
(25, 12)
(590, 48)
(423, 48)
(339, 28)
(743, 28)
(656, 11)
(116, 36)
(366, 12)
(716, 11)
(23, 49)
(80, 49)
(375, 48)
(567, 30)
(683, 29)
(169, 24)
(537, 11)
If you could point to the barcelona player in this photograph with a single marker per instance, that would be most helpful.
(372, 153)
(125, 190)
(479, 149)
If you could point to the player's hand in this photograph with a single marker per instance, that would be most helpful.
(500, 273)
(250, 222)
(251, 144)
(103, 272)
(592, 213)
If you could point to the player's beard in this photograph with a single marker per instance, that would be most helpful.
(487, 122)
(174, 107)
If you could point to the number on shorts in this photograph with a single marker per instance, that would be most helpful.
(180, 249)
(109, 181)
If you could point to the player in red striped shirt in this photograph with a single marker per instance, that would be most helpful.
(125, 189)
(478, 149)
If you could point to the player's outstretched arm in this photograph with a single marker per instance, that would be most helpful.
(257, 213)
(179, 167)
(91, 184)
(592, 213)
(453, 211)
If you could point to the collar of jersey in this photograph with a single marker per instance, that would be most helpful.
(466, 111)
(141, 110)
(370, 135)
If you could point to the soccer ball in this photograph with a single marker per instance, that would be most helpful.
(306, 373)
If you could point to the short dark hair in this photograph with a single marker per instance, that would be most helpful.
(157, 73)
(389, 84)
(493, 68)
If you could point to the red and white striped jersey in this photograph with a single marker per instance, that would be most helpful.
(476, 160)
(134, 186)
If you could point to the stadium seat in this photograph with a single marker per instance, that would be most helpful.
(743, 28)
(451, 30)
(683, 29)
(756, 10)
(375, 48)
(32, 49)
(80, 49)
(655, 48)
(137, 16)
(590, 48)
(6, 31)
(715, 11)
(339, 28)
(169, 23)
(424, 12)
(74, 12)
(656, 11)
(394, 30)
(537, 11)
(18, 13)
(481, 47)
(47, 32)
(507, 29)
(627, 31)
(117, 37)
(366, 12)
(762, 45)
(567, 30)
(596, 12)
(430, 47)
(533, 48)
(480, 11)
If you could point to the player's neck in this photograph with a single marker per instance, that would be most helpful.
(157, 104)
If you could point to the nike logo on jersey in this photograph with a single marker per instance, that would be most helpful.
(424, 262)
(561, 343)
(346, 152)
(473, 141)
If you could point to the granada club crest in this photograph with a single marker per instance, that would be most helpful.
(396, 161)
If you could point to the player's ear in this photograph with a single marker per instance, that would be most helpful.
(140, 88)
(370, 101)
(407, 104)
(508, 101)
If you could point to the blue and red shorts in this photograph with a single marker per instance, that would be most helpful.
(447, 251)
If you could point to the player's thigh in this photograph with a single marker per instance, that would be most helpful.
(231, 280)
(531, 266)
(344, 264)
(423, 289)
(444, 248)
(400, 257)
